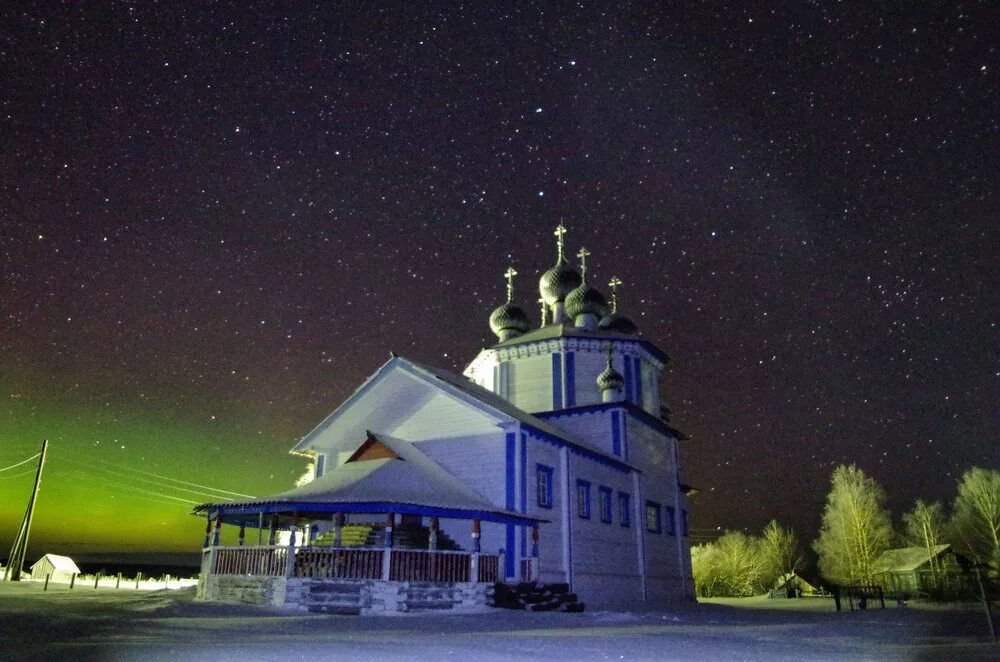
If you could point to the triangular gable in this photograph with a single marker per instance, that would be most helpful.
(372, 449)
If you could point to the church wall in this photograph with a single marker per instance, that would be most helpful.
(550, 538)
(442, 416)
(530, 383)
(593, 427)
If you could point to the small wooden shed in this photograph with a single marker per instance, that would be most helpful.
(60, 567)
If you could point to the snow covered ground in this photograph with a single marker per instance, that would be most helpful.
(105, 624)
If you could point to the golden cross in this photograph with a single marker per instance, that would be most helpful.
(583, 262)
(613, 284)
(509, 275)
(560, 233)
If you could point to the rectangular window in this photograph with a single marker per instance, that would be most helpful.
(654, 522)
(684, 522)
(624, 509)
(604, 494)
(583, 499)
(671, 521)
(320, 464)
(544, 479)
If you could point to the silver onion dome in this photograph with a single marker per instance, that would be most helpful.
(619, 323)
(556, 283)
(610, 379)
(509, 320)
(585, 299)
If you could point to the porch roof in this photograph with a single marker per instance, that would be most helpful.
(406, 482)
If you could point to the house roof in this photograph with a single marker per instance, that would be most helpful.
(470, 392)
(906, 559)
(392, 476)
(61, 563)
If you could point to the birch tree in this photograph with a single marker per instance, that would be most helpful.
(779, 551)
(856, 528)
(975, 526)
(924, 528)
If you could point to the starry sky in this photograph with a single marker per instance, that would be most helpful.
(216, 219)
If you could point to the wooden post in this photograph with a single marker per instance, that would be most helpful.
(243, 532)
(338, 529)
(15, 560)
(72, 580)
(474, 557)
(273, 530)
(208, 530)
(218, 529)
(97, 580)
(48, 576)
(138, 578)
(986, 604)
(290, 559)
(534, 552)
(118, 582)
(432, 539)
(390, 520)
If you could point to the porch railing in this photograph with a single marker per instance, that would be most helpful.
(394, 564)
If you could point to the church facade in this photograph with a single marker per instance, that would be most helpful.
(553, 441)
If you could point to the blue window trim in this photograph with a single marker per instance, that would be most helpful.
(671, 521)
(616, 433)
(606, 513)
(625, 508)
(543, 476)
(583, 498)
(654, 524)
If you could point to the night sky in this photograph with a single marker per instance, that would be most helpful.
(216, 219)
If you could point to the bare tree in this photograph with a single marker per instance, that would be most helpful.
(730, 566)
(975, 526)
(856, 528)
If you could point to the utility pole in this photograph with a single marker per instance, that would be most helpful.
(16, 559)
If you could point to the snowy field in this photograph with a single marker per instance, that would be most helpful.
(105, 624)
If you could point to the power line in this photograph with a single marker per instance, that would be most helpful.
(35, 456)
(139, 490)
(23, 473)
(205, 489)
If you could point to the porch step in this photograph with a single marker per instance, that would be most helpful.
(537, 597)
(425, 597)
(342, 610)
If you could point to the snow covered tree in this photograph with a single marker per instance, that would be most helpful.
(975, 526)
(779, 548)
(856, 528)
(729, 567)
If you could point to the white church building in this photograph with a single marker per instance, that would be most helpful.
(550, 460)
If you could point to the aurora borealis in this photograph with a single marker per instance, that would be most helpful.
(218, 219)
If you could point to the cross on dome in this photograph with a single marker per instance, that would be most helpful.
(560, 233)
(509, 275)
(583, 263)
(613, 284)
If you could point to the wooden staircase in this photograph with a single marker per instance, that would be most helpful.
(536, 597)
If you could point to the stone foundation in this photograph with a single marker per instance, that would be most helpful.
(345, 596)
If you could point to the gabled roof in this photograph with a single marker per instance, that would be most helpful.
(399, 474)
(61, 563)
(906, 559)
(471, 393)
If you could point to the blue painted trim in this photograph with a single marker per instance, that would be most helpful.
(570, 380)
(606, 514)
(543, 476)
(606, 460)
(625, 508)
(638, 380)
(631, 408)
(510, 565)
(583, 498)
(628, 379)
(557, 375)
(654, 524)
(509, 471)
(616, 433)
(234, 513)
(524, 474)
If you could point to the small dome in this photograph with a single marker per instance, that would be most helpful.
(610, 379)
(556, 283)
(619, 323)
(586, 299)
(509, 317)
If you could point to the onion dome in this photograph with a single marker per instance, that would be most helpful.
(509, 317)
(619, 323)
(613, 321)
(610, 381)
(556, 283)
(509, 320)
(585, 299)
